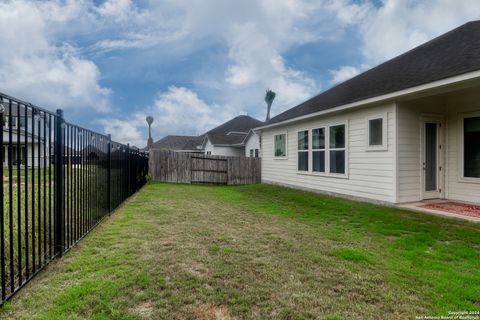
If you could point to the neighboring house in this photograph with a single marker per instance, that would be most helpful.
(252, 144)
(22, 127)
(404, 131)
(189, 144)
(229, 138)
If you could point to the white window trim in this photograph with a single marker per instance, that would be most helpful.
(384, 145)
(285, 157)
(327, 149)
(461, 166)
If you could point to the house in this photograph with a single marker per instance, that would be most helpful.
(405, 131)
(189, 144)
(26, 136)
(229, 138)
(252, 144)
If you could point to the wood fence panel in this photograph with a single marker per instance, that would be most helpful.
(177, 167)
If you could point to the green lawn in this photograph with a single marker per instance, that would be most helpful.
(200, 252)
(37, 201)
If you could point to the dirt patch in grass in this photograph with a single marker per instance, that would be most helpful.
(144, 309)
(211, 312)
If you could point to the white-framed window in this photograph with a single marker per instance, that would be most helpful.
(303, 154)
(318, 150)
(251, 153)
(376, 132)
(280, 145)
(469, 155)
(337, 148)
(209, 153)
(256, 153)
(323, 150)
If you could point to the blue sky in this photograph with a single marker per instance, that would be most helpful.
(195, 64)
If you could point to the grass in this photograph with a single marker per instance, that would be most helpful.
(35, 211)
(257, 252)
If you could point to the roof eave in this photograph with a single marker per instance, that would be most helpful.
(389, 96)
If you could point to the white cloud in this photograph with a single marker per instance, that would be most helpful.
(119, 9)
(180, 111)
(125, 131)
(176, 111)
(257, 64)
(34, 69)
(397, 26)
(345, 72)
(348, 12)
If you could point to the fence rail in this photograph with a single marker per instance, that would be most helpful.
(178, 167)
(59, 181)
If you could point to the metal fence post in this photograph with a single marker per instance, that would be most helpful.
(59, 230)
(109, 174)
(129, 193)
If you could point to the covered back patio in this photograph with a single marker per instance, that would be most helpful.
(439, 150)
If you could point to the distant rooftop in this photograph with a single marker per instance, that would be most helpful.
(174, 142)
(239, 124)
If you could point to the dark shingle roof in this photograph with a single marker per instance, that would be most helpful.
(451, 54)
(171, 142)
(241, 123)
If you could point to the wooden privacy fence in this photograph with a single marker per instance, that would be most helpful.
(168, 166)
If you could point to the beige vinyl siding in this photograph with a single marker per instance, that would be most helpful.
(409, 178)
(370, 174)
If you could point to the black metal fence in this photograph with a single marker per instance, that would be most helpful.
(59, 181)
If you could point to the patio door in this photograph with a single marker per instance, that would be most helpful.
(432, 158)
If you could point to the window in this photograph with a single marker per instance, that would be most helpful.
(14, 121)
(280, 145)
(256, 153)
(377, 133)
(318, 150)
(471, 147)
(337, 149)
(22, 122)
(209, 153)
(251, 153)
(302, 150)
